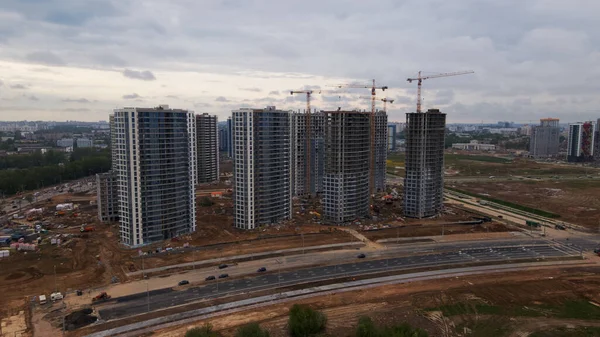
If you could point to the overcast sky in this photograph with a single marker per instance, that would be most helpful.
(67, 59)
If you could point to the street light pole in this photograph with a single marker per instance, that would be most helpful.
(55, 283)
(148, 295)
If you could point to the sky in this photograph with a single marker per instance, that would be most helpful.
(78, 60)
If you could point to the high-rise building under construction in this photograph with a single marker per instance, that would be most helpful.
(380, 150)
(261, 170)
(424, 181)
(346, 171)
(300, 164)
(207, 146)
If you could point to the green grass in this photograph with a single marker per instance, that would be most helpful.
(449, 158)
(565, 332)
(467, 309)
(579, 309)
(508, 204)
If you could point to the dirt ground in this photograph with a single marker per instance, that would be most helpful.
(422, 304)
(575, 201)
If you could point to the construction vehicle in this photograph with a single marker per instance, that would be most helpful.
(86, 228)
(103, 296)
(59, 213)
(317, 214)
(388, 199)
(420, 79)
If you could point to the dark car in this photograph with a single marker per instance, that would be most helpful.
(261, 269)
(597, 250)
(223, 275)
(184, 282)
(223, 266)
(361, 256)
(210, 278)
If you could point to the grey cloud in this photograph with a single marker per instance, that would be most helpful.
(251, 89)
(131, 96)
(32, 98)
(80, 100)
(77, 109)
(172, 96)
(145, 75)
(109, 60)
(19, 87)
(46, 58)
(274, 93)
(221, 99)
(1, 83)
(202, 105)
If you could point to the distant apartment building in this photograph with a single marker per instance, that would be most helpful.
(207, 148)
(154, 160)
(107, 196)
(544, 139)
(424, 180)
(229, 138)
(581, 141)
(380, 151)
(262, 193)
(84, 142)
(391, 144)
(307, 168)
(346, 173)
(474, 145)
(65, 142)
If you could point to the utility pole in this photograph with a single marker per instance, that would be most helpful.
(148, 295)
(193, 259)
(55, 283)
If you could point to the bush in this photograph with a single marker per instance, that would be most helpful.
(251, 330)
(203, 331)
(305, 322)
(366, 328)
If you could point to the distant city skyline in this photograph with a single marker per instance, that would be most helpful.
(66, 60)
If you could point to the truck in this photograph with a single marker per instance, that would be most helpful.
(560, 227)
(101, 297)
(57, 296)
(42, 299)
(86, 228)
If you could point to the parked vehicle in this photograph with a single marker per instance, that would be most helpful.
(361, 256)
(183, 282)
(210, 278)
(42, 299)
(261, 269)
(223, 266)
(86, 228)
(223, 275)
(560, 227)
(56, 296)
(101, 297)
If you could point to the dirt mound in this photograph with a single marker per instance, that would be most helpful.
(79, 319)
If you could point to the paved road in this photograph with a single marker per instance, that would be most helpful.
(475, 253)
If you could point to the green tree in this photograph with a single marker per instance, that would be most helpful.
(203, 331)
(29, 198)
(206, 202)
(305, 322)
(251, 330)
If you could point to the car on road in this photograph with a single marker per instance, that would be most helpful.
(223, 266)
(223, 275)
(261, 269)
(361, 256)
(209, 278)
(500, 216)
(183, 282)
(597, 250)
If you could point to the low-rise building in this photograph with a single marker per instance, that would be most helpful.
(474, 145)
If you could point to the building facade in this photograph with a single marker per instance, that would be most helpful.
(207, 147)
(154, 160)
(262, 193)
(391, 146)
(107, 197)
(474, 145)
(65, 142)
(580, 146)
(346, 172)
(597, 143)
(545, 138)
(300, 162)
(84, 142)
(424, 180)
(229, 138)
(380, 151)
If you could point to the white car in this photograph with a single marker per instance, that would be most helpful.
(56, 296)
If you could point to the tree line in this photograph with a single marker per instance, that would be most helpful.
(48, 170)
(304, 321)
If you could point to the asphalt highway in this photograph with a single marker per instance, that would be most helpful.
(476, 253)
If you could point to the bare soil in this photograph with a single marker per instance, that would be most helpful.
(575, 201)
